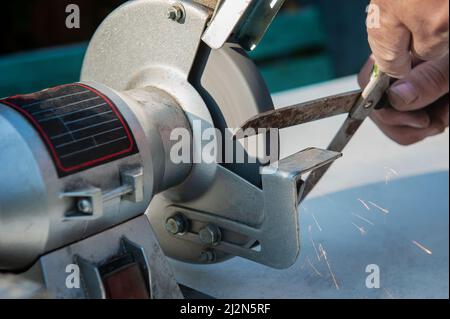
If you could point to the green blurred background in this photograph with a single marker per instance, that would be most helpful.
(310, 41)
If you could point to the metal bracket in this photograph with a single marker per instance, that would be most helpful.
(275, 239)
(248, 20)
(224, 22)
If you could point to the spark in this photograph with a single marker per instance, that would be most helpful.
(364, 219)
(364, 204)
(360, 228)
(324, 254)
(312, 241)
(384, 210)
(393, 171)
(314, 268)
(315, 249)
(389, 174)
(317, 223)
(426, 250)
(388, 293)
(303, 265)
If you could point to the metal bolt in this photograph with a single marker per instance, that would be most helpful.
(175, 13)
(84, 206)
(176, 224)
(368, 105)
(210, 235)
(207, 256)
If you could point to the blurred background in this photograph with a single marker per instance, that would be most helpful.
(310, 41)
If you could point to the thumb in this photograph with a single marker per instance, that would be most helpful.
(424, 85)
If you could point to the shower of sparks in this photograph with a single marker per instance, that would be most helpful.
(384, 210)
(364, 219)
(388, 293)
(425, 249)
(317, 223)
(314, 268)
(360, 228)
(390, 172)
(324, 254)
(364, 204)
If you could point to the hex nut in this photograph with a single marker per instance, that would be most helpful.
(210, 235)
(176, 225)
(175, 13)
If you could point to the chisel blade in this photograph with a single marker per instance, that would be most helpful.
(301, 113)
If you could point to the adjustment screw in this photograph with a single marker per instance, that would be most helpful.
(176, 225)
(175, 13)
(84, 206)
(210, 235)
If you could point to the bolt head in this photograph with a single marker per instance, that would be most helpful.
(176, 225)
(175, 13)
(84, 206)
(171, 14)
(210, 235)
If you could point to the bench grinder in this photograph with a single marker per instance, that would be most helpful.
(87, 177)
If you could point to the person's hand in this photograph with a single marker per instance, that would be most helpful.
(419, 103)
(411, 43)
(407, 29)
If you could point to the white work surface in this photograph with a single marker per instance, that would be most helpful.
(380, 204)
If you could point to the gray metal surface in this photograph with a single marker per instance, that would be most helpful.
(302, 162)
(241, 21)
(225, 21)
(121, 48)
